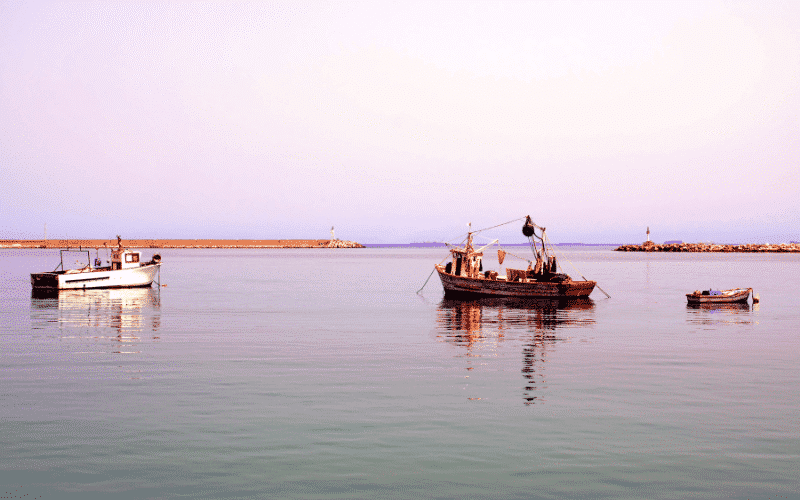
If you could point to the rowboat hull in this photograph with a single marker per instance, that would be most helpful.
(720, 306)
(738, 295)
(96, 278)
(461, 286)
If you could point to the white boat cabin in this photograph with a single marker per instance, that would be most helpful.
(124, 259)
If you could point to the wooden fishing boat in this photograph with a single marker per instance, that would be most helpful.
(126, 270)
(733, 295)
(464, 275)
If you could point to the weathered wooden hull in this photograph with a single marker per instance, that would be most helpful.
(119, 278)
(740, 295)
(460, 286)
(717, 306)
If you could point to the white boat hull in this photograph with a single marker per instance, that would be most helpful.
(96, 278)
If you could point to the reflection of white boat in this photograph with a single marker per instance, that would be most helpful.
(126, 271)
(124, 309)
(128, 299)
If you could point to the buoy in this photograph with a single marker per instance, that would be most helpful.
(527, 228)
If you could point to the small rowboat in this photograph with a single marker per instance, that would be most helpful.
(719, 296)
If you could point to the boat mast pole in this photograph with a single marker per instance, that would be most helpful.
(544, 249)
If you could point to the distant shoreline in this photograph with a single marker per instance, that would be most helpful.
(443, 245)
(181, 243)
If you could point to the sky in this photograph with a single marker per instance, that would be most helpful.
(400, 122)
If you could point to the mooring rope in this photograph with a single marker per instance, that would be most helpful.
(576, 268)
(429, 276)
(426, 281)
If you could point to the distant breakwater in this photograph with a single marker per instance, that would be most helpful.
(154, 243)
(711, 247)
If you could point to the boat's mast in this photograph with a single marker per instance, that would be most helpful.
(544, 249)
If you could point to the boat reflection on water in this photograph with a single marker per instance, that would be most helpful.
(481, 325)
(735, 313)
(123, 311)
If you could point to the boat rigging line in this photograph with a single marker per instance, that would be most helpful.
(485, 229)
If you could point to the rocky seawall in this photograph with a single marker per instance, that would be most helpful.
(343, 244)
(152, 243)
(711, 247)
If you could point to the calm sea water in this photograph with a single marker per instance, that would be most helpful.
(322, 374)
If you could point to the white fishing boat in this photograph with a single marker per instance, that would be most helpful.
(126, 270)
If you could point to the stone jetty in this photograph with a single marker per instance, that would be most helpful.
(186, 243)
(343, 244)
(649, 246)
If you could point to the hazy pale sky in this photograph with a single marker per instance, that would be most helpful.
(401, 121)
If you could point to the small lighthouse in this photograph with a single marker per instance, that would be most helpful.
(648, 245)
(333, 237)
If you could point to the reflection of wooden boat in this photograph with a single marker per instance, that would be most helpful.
(510, 303)
(125, 271)
(510, 312)
(482, 325)
(719, 297)
(464, 276)
(470, 317)
(734, 307)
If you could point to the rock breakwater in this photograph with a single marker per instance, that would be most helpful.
(711, 247)
(343, 244)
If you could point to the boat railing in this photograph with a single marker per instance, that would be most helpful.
(61, 252)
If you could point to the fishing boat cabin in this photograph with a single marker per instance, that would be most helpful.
(124, 259)
(466, 261)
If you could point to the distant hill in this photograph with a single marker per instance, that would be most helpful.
(436, 244)
(427, 244)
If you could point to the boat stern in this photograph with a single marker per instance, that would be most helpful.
(44, 280)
